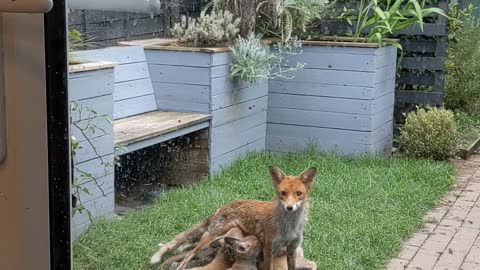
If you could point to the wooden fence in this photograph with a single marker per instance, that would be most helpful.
(420, 78)
(106, 28)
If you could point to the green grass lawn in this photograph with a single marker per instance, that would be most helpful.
(361, 210)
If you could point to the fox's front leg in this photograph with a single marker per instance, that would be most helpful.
(292, 254)
(267, 263)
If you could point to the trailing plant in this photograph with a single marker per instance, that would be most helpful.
(88, 124)
(462, 78)
(288, 18)
(218, 28)
(429, 133)
(254, 61)
(78, 41)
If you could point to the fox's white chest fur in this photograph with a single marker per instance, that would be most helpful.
(290, 228)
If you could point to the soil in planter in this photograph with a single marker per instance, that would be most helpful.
(148, 173)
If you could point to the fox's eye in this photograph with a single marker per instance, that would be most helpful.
(299, 193)
(283, 193)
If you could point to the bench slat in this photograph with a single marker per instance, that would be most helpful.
(154, 124)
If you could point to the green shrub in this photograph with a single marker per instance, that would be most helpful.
(429, 133)
(216, 29)
(462, 81)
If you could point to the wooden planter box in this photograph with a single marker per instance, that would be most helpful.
(341, 102)
(467, 152)
(197, 80)
(91, 86)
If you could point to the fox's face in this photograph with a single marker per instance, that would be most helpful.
(247, 247)
(292, 191)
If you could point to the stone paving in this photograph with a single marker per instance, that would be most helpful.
(450, 239)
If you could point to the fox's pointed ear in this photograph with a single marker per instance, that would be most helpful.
(277, 175)
(230, 240)
(308, 175)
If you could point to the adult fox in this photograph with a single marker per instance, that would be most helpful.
(277, 224)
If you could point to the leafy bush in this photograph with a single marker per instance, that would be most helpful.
(429, 133)
(216, 29)
(462, 81)
(468, 127)
(254, 61)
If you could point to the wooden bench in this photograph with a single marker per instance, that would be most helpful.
(137, 122)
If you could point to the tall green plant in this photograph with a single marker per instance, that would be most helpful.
(383, 18)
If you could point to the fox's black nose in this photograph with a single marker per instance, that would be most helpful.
(289, 208)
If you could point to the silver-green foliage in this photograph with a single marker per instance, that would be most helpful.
(254, 61)
(430, 133)
(215, 29)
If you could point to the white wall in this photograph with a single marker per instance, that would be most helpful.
(24, 233)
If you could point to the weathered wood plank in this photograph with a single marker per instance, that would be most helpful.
(95, 168)
(188, 93)
(418, 97)
(423, 63)
(330, 134)
(238, 111)
(99, 84)
(178, 58)
(180, 74)
(180, 106)
(134, 106)
(219, 163)
(348, 50)
(231, 98)
(132, 89)
(337, 77)
(141, 127)
(102, 105)
(331, 104)
(130, 72)
(224, 144)
(329, 119)
(82, 67)
(103, 147)
(119, 55)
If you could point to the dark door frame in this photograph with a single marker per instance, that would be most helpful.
(56, 61)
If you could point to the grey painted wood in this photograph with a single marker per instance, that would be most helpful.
(101, 207)
(326, 90)
(95, 167)
(342, 77)
(119, 55)
(182, 92)
(165, 137)
(103, 187)
(342, 61)
(134, 106)
(220, 163)
(103, 105)
(179, 106)
(330, 104)
(130, 72)
(237, 139)
(103, 146)
(329, 119)
(225, 84)
(101, 124)
(75, 75)
(231, 98)
(224, 58)
(132, 89)
(180, 74)
(235, 112)
(349, 50)
(98, 84)
(220, 71)
(178, 58)
(330, 134)
(231, 128)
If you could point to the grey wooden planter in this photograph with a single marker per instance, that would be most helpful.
(91, 86)
(198, 81)
(341, 102)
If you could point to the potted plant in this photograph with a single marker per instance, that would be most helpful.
(343, 100)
